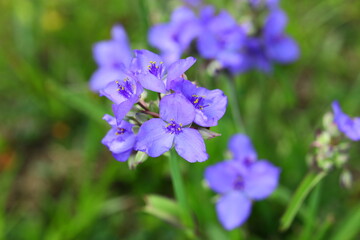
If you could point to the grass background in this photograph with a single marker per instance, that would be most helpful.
(58, 181)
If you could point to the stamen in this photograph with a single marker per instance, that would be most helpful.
(173, 128)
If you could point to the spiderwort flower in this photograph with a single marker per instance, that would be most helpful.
(154, 74)
(238, 183)
(279, 47)
(347, 125)
(111, 56)
(221, 38)
(210, 105)
(120, 139)
(174, 38)
(157, 136)
(242, 149)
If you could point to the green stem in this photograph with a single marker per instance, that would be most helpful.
(308, 183)
(235, 109)
(180, 195)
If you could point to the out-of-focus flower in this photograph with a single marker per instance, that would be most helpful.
(279, 47)
(221, 38)
(174, 38)
(347, 125)
(240, 181)
(120, 139)
(158, 135)
(242, 149)
(111, 56)
(210, 105)
(154, 74)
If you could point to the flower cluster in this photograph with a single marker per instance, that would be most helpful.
(180, 112)
(239, 181)
(330, 148)
(237, 47)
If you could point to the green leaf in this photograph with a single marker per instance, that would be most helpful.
(308, 183)
(350, 227)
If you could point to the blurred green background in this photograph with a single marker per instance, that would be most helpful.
(58, 181)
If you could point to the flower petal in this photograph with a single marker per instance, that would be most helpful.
(120, 110)
(103, 76)
(122, 157)
(153, 138)
(242, 149)
(215, 107)
(176, 69)
(149, 81)
(175, 107)
(282, 49)
(221, 176)
(350, 127)
(233, 209)
(144, 57)
(261, 180)
(190, 145)
(110, 120)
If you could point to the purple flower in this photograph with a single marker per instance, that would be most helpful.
(126, 88)
(210, 105)
(279, 47)
(120, 139)
(347, 125)
(174, 38)
(158, 135)
(111, 56)
(239, 182)
(154, 74)
(242, 149)
(221, 38)
(273, 45)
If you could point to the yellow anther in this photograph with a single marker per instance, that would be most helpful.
(117, 82)
(196, 101)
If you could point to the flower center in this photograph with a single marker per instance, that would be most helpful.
(154, 69)
(173, 127)
(239, 183)
(198, 102)
(120, 131)
(125, 88)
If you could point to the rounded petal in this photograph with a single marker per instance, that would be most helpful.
(160, 36)
(153, 138)
(221, 177)
(350, 127)
(233, 209)
(117, 143)
(261, 180)
(110, 120)
(120, 110)
(149, 81)
(275, 23)
(242, 149)
(175, 107)
(103, 76)
(122, 157)
(190, 145)
(207, 45)
(209, 115)
(176, 69)
(283, 50)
